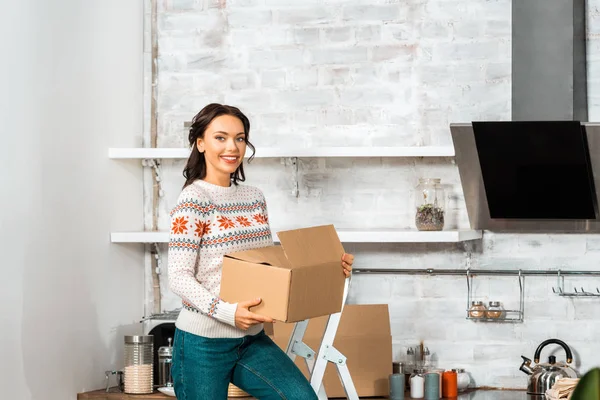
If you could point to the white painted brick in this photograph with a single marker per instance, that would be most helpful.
(249, 100)
(304, 98)
(180, 5)
(467, 29)
(498, 71)
(346, 55)
(454, 10)
(498, 28)
(236, 3)
(586, 309)
(303, 78)
(364, 96)
(387, 12)
(368, 34)
(306, 36)
(336, 117)
(338, 34)
(303, 119)
(244, 37)
(276, 58)
(437, 30)
(305, 16)
(554, 244)
(242, 80)
(291, 3)
(276, 36)
(466, 51)
(249, 18)
(190, 22)
(397, 53)
(272, 78)
(370, 290)
(337, 76)
(509, 353)
(398, 32)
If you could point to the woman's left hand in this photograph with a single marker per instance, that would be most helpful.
(347, 261)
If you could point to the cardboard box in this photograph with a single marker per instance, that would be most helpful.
(363, 336)
(300, 279)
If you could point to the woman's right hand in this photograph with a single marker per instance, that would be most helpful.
(245, 318)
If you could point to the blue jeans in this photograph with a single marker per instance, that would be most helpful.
(203, 367)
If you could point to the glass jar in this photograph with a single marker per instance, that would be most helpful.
(462, 379)
(417, 383)
(494, 310)
(477, 310)
(430, 201)
(138, 371)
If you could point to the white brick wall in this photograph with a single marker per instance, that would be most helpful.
(373, 73)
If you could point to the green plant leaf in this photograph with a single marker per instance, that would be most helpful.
(588, 387)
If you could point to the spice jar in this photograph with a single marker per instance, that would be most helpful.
(477, 309)
(138, 371)
(449, 384)
(462, 379)
(430, 203)
(417, 383)
(494, 310)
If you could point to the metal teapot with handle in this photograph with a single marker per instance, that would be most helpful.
(542, 376)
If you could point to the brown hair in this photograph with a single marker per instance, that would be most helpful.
(196, 164)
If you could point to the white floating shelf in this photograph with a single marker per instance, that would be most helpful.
(275, 152)
(346, 236)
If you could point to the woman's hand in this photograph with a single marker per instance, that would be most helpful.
(347, 261)
(244, 318)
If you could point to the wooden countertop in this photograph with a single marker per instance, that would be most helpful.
(102, 395)
(483, 393)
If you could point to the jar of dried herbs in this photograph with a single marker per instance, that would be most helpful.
(430, 203)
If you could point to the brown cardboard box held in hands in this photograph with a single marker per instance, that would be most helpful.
(299, 279)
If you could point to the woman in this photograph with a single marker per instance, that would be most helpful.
(218, 342)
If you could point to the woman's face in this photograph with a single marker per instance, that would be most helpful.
(224, 147)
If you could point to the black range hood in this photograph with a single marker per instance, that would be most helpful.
(530, 175)
(537, 172)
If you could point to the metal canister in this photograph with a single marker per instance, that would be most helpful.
(165, 360)
(138, 371)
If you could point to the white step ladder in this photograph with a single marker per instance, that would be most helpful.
(327, 353)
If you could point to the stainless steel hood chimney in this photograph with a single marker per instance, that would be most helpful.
(538, 172)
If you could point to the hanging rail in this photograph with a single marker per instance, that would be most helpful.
(432, 271)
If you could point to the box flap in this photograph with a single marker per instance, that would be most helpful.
(358, 320)
(311, 246)
(270, 255)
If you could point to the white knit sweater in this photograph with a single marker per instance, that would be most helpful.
(208, 222)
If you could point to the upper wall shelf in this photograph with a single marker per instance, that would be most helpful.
(275, 152)
(346, 236)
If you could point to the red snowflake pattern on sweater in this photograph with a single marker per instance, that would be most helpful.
(208, 222)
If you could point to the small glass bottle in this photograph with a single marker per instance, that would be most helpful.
(494, 310)
(417, 383)
(477, 309)
(430, 201)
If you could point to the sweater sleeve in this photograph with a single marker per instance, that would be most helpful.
(189, 219)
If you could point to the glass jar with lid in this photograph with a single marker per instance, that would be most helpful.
(430, 201)
(139, 363)
(417, 383)
(494, 310)
(477, 309)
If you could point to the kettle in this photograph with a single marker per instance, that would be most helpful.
(543, 376)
